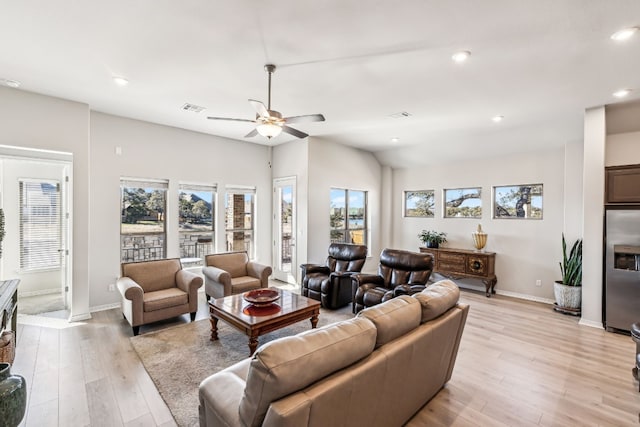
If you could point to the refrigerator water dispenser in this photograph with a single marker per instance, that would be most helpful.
(626, 257)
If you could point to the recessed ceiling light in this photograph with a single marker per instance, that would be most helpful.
(395, 140)
(497, 119)
(10, 83)
(461, 56)
(120, 81)
(621, 93)
(624, 34)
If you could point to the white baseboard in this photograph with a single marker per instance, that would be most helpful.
(508, 293)
(583, 322)
(41, 292)
(590, 323)
(104, 307)
(79, 317)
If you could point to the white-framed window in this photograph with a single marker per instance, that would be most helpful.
(348, 216)
(40, 224)
(143, 205)
(196, 225)
(240, 219)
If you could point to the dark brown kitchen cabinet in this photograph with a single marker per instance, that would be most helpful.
(622, 184)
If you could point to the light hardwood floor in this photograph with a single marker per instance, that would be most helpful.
(519, 364)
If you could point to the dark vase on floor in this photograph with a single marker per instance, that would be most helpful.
(433, 245)
(13, 396)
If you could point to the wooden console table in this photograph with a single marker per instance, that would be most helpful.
(8, 304)
(458, 263)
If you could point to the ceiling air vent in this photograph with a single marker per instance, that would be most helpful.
(400, 115)
(192, 107)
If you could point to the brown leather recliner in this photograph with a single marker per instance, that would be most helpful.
(399, 273)
(331, 283)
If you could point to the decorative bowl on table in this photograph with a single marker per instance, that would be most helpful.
(261, 297)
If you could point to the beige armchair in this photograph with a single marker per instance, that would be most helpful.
(232, 273)
(157, 290)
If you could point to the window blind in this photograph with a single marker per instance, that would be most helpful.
(240, 190)
(144, 183)
(40, 224)
(183, 186)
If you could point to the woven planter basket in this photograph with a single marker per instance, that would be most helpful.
(568, 296)
(7, 346)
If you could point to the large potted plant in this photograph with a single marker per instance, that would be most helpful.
(568, 291)
(432, 239)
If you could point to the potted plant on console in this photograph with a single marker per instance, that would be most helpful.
(432, 239)
(568, 291)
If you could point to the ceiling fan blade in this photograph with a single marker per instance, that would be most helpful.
(304, 119)
(235, 120)
(252, 133)
(294, 132)
(259, 107)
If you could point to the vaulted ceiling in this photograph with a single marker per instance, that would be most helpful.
(537, 63)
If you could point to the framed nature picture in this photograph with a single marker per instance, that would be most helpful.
(463, 203)
(419, 203)
(518, 201)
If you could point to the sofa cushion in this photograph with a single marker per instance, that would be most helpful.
(164, 298)
(153, 275)
(289, 364)
(244, 283)
(393, 318)
(437, 298)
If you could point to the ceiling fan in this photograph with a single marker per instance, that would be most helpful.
(270, 122)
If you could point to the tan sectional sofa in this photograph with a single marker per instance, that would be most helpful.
(377, 369)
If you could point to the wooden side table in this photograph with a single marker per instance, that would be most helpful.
(458, 263)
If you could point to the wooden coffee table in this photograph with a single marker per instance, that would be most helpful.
(255, 321)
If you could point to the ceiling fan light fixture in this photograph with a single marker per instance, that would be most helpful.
(269, 130)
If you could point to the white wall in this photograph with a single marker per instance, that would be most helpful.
(292, 159)
(573, 192)
(526, 250)
(332, 165)
(162, 152)
(41, 122)
(593, 208)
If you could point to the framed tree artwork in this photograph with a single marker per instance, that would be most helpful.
(517, 201)
(420, 204)
(463, 202)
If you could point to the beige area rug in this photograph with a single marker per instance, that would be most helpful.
(179, 358)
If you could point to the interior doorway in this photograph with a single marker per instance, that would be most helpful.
(284, 226)
(36, 250)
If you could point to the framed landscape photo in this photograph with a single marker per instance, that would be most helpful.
(463, 202)
(419, 204)
(517, 201)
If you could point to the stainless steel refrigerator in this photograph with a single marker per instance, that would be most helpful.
(622, 268)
